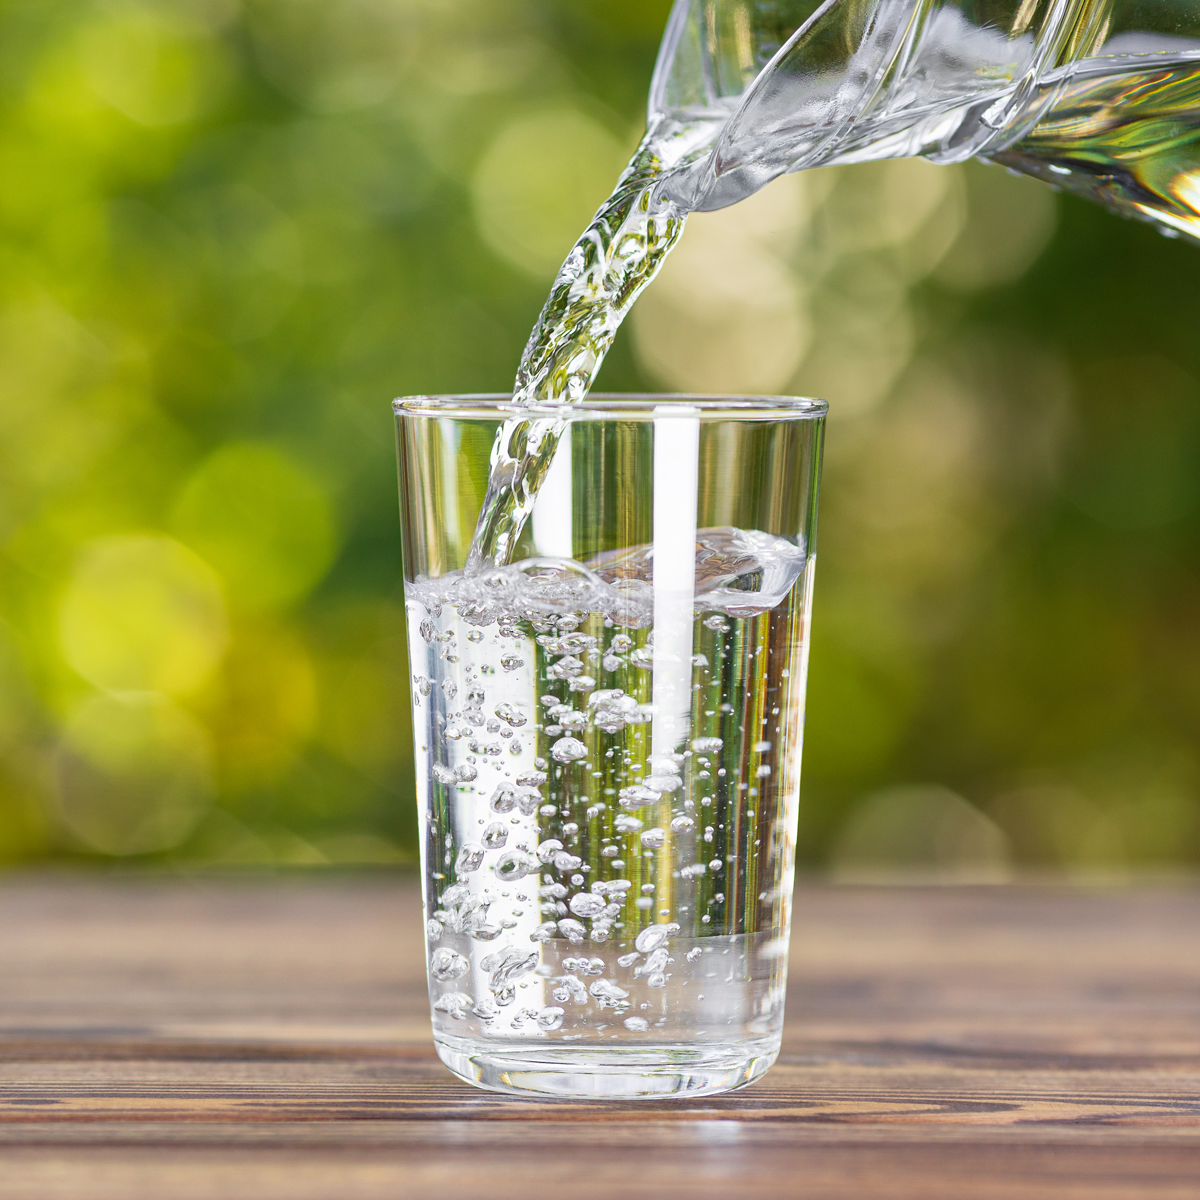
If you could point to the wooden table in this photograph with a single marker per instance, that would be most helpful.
(268, 1038)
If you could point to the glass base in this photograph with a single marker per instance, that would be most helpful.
(643, 1072)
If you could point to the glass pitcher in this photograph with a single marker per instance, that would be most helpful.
(1097, 97)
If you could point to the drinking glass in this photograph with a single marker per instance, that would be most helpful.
(608, 734)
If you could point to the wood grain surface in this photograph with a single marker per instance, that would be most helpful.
(269, 1038)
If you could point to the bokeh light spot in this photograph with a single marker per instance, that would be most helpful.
(143, 613)
(727, 313)
(1010, 220)
(539, 183)
(152, 67)
(262, 520)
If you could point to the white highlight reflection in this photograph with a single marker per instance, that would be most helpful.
(676, 469)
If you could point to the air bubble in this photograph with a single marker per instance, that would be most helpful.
(504, 798)
(547, 849)
(637, 796)
(587, 904)
(446, 964)
(655, 962)
(528, 800)
(470, 858)
(575, 990)
(486, 1009)
(605, 989)
(550, 1018)
(456, 1004)
(568, 750)
(507, 713)
(508, 965)
(573, 931)
(495, 836)
(651, 938)
(654, 839)
(663, 783)
(513, 865)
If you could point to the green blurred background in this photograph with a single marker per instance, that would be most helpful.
(231, 232)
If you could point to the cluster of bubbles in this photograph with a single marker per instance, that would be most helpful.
(740, 572)
(554, 604)
(504, 968)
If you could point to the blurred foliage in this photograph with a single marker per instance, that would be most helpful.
(231, 231)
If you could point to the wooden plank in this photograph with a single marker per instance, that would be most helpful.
(261, 1038)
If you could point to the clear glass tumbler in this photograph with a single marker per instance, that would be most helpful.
(608, 737)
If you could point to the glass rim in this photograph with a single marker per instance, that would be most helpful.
(624, 406)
